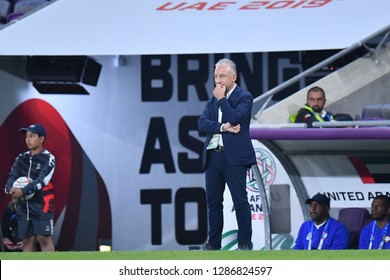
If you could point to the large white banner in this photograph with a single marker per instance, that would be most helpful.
(123, 27)
(349, 181)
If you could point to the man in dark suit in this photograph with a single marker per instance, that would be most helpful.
(227, 153)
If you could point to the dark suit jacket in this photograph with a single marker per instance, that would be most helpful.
(235, 110)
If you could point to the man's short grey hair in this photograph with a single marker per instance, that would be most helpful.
(230, 63)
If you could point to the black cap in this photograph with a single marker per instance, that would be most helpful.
(320, 199)
(34, 128)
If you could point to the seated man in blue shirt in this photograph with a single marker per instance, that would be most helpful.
(376, 235)
(322, 232)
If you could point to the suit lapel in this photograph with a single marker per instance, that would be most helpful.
(215, 109)
(234, 95)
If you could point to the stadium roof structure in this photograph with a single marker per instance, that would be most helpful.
(123, 27)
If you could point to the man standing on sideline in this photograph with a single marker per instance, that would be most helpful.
(376, 235)
(322, 232)
(35, 215)
(227, 154)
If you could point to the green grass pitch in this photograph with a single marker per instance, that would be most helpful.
(204, 255)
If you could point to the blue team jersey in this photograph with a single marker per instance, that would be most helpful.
(380, 237)
(332, 235)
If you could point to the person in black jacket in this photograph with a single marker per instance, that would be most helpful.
(313, 110)
(35, 214)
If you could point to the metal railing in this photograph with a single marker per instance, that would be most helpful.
(372, 51)
(278, 125)
(356, 124)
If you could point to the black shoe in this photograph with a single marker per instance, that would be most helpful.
(243, 246)
(208, 247)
